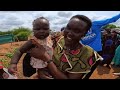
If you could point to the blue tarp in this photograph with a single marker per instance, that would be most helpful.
(93, 37)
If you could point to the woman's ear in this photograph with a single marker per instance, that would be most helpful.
(83, 36)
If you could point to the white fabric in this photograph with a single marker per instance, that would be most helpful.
(47, 44)
(36, 63)
(10, 75)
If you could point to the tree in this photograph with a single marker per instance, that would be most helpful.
(21, 29)
(22, 36)
(20, 33)
(118, 26)
(110, 26)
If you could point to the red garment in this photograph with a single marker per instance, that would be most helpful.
(1, 65)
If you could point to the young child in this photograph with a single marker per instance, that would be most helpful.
(37, 63)
(47, 44)
(41, 37)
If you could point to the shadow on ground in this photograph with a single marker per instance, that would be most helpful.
(103, 70)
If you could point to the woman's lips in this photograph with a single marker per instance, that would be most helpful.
(69, 38)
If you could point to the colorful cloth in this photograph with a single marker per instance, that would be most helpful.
(1, 65)
(75, 61)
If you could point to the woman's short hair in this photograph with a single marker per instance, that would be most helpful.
(85, 19)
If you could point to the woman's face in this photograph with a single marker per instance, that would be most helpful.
(41, 29)
(74, 31)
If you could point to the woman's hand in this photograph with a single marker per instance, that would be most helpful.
(12, 69)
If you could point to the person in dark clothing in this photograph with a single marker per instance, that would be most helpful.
(108, 51)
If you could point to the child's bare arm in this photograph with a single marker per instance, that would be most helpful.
(23, 49)
(12, 69)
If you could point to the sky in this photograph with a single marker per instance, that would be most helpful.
(58, 19)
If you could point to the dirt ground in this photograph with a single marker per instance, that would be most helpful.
(101, 72)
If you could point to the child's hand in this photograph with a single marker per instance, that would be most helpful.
(12, 69)
(5, 75)
(34, 41)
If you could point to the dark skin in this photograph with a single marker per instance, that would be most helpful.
(74, 31)
(41, 31)
(1, 73)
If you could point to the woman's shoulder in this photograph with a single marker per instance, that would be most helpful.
(86, 52)
(87, 48)
(60, 40)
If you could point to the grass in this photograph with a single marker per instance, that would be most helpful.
(7, 58)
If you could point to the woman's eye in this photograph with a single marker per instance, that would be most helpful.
(36, 28)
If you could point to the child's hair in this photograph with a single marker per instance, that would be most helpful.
(36, 20)
(85, 19)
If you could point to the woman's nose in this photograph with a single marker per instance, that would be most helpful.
(70, 33)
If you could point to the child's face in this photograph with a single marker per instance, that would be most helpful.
(41, 29)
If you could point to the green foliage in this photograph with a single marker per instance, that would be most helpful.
(20, 33)
(15, 49)
(110, 26)
(7, 32)
(5, 62)
(22, 36)
(21, 29)
(9, 55)
(118, 27)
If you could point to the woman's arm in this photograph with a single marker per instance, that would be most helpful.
(60, 75)
(101, 23)
(56, 73)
